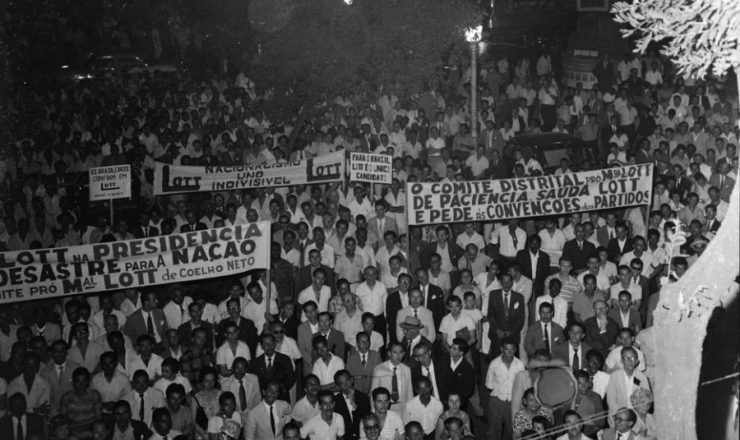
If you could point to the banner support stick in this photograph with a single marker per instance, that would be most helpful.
(111, 213)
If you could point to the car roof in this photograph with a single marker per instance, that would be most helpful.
(549, 140)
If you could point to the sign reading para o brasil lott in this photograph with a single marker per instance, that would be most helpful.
(47, 273)
(373, 168)
(485, 200)
(171, 179)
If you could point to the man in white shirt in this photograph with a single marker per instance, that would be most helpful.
(500, 380)
(327, 424)
(373, 296)
(424, 408)
(143, 399)
(326, 365)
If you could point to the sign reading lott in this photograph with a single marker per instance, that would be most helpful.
(528, 197)
(171, 179)
(374, 168)
(108, 183)
(48, 273)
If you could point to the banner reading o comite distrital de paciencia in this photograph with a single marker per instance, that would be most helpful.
(528, 197)
(47, 273)
(171, 179)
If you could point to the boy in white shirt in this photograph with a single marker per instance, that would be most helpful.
(455, 322)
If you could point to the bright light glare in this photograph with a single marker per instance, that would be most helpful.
(348, 2)
(473, 34)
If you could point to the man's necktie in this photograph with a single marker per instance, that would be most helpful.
(611, 234)
(192, 227)
(381, 223)
(394, 387)
(416, 313)
(408, 348)
(272, 421)
(141, 408)
(506, 305)
(576, 363)
(61, 374)
(40, 332)
(619, 436)
(513, 238)
(364, 361)
(269, 364)
(302, 248)
(547, 339)
(242, 396)
(429, 376)
(149, 324)
(146, 232)
(580, 245)
(20, 435)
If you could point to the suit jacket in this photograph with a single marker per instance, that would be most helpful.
(52, 332)
(355, 367)
(136, 324)
(34, 425)
(282, 372)
(186, 333)
(233, 158)
(247, 333)
(352, 423)
(461, 380)
(634, 319)
(408, 358)
(713, 228)
(199, 226)
(524, 257)
(615, 253)
(442, 377)
(257, 425)
(601, 341)
(642, 156)
(435, 302)
(139, 232)
(383, 377)
(727, 185)
(58, 386)
(499, 170)
(561, 352)
(335, 343)
(291, 325)
(495, 142)
(393, 305)
(390, 225)
(513, 322)
(209, 161)
(605, 75)
(577, 255)
(535, 339)
(611, 434)
(427, 320)
(305, 346)
(141, 431)
(304, 279)
(616, 393)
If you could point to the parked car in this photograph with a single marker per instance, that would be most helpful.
(101, 65)
(549, 148)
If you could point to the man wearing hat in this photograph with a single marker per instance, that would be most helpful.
(699, 245)
(411, 328)
(421, 314)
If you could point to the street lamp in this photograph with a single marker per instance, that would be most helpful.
(472, 35)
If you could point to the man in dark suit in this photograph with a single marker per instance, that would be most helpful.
(288, 317)
(231, 156)
(412, 337)
(505, 315)
(193, 223)
(525, 257)
(186, 330)
(351, 404)
(246, 329)
(535, 339)
(433, 296)
(578, 250)
(334, 338)
(601, 331)
(144, 230)
(722, 181)
(34, 424)
(574, 348)
(273, 367)
(498, 167)
(448, 247)
(461, 379)
(393, 304)
(149, 319)
(621, 244)
(304, 276)
(437, 371)
(609, 129)
(608, 231)
(122, 420)
(362, 362)
(604, 73)
(710, 213)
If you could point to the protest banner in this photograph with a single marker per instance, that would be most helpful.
(49, 273)
(373, 168)
(487, 200)
(171, 179)
(108, 183)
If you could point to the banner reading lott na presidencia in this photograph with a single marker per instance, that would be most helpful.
(48, 273)
(485, 200)
(172, 179)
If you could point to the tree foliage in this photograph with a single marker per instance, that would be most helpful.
(317, 47)
(700, 34)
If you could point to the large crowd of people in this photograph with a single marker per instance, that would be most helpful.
(367, 328)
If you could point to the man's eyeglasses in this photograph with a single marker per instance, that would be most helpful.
(617, 419)
(371, 427)
(278, 332)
